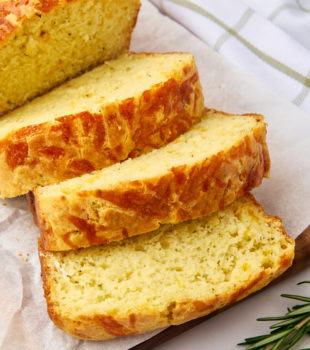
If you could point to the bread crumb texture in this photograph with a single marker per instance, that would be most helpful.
(45, 42)
(174, 274)
(126, 107)
(203, 170)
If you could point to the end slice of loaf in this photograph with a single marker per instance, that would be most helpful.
(166, 277)
(123, 108)
(203, 170)
(43, 42)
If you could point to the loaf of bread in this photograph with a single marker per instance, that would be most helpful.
(125, 107)
(202, 171)
(166, 277)
(44, 42)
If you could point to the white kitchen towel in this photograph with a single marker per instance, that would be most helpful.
(292, 16)
(250, 33)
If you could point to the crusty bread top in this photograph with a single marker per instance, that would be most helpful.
(216, 133)
(126, 77)
(203, 170)
(197, 263)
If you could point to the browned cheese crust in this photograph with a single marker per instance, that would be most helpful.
(38, 155)
(103, 327)
(182, 193)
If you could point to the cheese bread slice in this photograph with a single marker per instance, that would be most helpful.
(203, 170)
(121, 109)
(166, 277)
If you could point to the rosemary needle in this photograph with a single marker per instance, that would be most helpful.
(294, 325)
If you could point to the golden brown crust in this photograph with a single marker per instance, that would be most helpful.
(77, 144)
(103, 327)
(135, 207)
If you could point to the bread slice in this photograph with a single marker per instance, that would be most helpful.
(202, 171)
(166, 277)
(43, 42)
(123, 108)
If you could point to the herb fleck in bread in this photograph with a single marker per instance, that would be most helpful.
(203, 170)
(169, 276)
(44, 42)
(123, 108)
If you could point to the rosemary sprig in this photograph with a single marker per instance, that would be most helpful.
(284, 335)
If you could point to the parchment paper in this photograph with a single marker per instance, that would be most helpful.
(24, 323)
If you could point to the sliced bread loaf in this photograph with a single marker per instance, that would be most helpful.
(44, 42)
(167, 277)
(203, 170)
(123, 108)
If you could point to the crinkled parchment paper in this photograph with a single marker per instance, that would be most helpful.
(24, 323)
